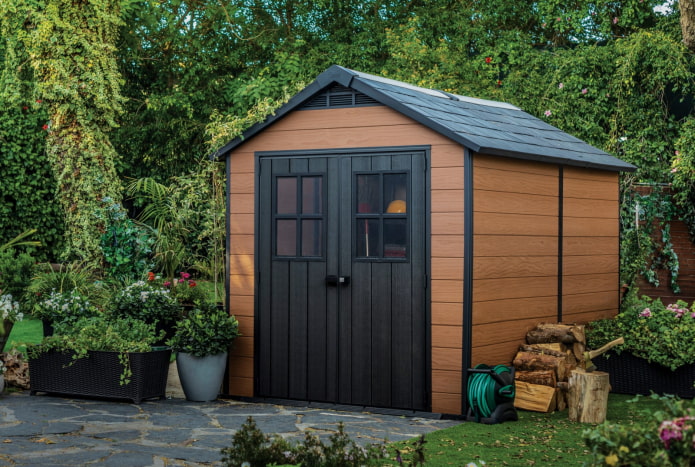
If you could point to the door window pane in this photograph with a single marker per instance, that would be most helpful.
(368, 238)
(395, 193)
(286, 237)
(286, 202)
(368, 193)
(311, 237)
(311, 195)
(395, 238)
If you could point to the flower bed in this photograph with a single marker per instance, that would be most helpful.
(99, 375)
(634, 375)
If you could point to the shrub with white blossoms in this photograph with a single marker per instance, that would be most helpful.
(9, 309)
(64, 307)
(146, 301)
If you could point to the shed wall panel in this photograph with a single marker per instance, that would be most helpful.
(515, 227)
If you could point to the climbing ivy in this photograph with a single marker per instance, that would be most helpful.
(71, 50)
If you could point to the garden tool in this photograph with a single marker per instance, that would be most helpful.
(588, 365)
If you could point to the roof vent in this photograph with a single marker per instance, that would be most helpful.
(338, 96)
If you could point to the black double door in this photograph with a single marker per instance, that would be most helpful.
(342, 279)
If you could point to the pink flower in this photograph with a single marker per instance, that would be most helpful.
(585, 90)
(646, 313)
(561, 85)
(167, 284)
(181, 281)
(677, 153)
(548, 113)
(185, 275)
(615, 20)
(674, 170)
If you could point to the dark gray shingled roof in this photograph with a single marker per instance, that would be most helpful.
(485, 127)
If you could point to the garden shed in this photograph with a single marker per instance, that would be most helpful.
(383, 238)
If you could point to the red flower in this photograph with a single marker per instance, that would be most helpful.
(45, 127)
(488, 59)
(38, 101)
(25, 108)
(150, 276)
(192, 283)
(499, 82)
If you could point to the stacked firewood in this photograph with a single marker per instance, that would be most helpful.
(543, 366)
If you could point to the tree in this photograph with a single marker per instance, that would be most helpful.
(687, 9)
(71, 47)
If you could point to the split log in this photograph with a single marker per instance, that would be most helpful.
(555, 346)
(534, 397)
(541, 349)
(562, 395)
(531, 361)
(545, 333)
(542, 377)
(579, 346)
(588, 396)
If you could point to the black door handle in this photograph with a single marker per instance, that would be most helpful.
(337, 280)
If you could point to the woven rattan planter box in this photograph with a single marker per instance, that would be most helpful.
(633, 375)
(98, 375)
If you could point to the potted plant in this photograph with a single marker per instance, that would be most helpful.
(98, 356)
(185, 290)
(658, 354)
(62, 308)
(10, 314)
(202, 341)
(149, 302)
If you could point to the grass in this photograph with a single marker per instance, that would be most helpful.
(27, 331)
(535, 439)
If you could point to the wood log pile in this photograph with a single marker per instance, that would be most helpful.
(544, 365)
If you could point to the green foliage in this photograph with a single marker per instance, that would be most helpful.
(645, 235)
(252, 448)
(63, 278)
(657, 333)
(205, 330)
(663, 438)
(146, 302)
(16, 270)
(71, 49)
(187, 218)
(127, 246)
(64, 308)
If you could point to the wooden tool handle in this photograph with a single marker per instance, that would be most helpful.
(605, 348)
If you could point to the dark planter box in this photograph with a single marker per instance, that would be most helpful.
(633, 375)
(98, 375)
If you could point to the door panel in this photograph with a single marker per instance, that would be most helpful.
(341, 287)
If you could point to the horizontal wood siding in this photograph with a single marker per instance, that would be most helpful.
(354, 128)
(241, 271)
(515, 261)
(590, 245)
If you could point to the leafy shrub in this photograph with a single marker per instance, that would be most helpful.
(657, 333)
(147, 302)
(126, 245)
(665, 440)
(252, 448)
(64, 308)
(15, 273)
(206, 330)
(62, 278)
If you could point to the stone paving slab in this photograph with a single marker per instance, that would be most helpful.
(47, 431)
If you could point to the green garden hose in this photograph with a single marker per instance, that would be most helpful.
(483, 390)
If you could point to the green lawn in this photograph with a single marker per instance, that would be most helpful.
(28, 331)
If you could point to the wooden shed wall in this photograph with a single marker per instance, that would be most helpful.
(353, 128)
(515, 263)
(516, 228)
(590, 259)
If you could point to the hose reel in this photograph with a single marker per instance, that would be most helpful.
(491, 394)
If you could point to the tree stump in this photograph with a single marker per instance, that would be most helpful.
(588, 396)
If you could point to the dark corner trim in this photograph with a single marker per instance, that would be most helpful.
(560, 238)
(227, 256)
(466, 345)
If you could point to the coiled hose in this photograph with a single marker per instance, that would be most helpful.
(483, 390)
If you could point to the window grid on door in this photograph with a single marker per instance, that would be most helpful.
(298, 216)
(381, 216)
